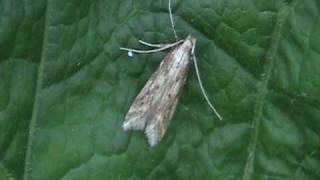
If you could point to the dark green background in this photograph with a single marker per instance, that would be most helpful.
(65, 88)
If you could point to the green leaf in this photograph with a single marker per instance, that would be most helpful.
(66, 87)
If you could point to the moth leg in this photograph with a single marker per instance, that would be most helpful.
(204, 93)
(168, 46)
(160, 45)
(152, 44)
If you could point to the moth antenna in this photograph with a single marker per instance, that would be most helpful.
(167, 46)
(171, 20)
(159, 47)
(201, 86)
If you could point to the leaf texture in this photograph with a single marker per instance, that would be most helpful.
(65, 89)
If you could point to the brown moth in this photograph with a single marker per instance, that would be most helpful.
(153, 108)
(155, 105)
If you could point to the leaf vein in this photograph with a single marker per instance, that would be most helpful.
(262, 91)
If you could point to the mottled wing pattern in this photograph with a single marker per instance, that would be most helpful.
(163, 111)
(155, 105)
(136, 117)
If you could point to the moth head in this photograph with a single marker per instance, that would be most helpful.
(192, 41)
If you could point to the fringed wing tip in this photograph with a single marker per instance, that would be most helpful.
(152, 136)
(133, 124)
(126, 126)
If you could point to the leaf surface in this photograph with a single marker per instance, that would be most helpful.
(66, 87)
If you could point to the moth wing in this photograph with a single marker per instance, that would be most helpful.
(163, 111)
(140, 111)
(155, 105)
(136, 117)
(174, 75)
(157, 128)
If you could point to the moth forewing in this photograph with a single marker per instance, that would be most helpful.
(155, 105)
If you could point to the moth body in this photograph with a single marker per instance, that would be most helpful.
(154, 106)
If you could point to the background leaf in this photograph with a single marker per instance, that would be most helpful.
(65, 88)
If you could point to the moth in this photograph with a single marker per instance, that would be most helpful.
(154, 106)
